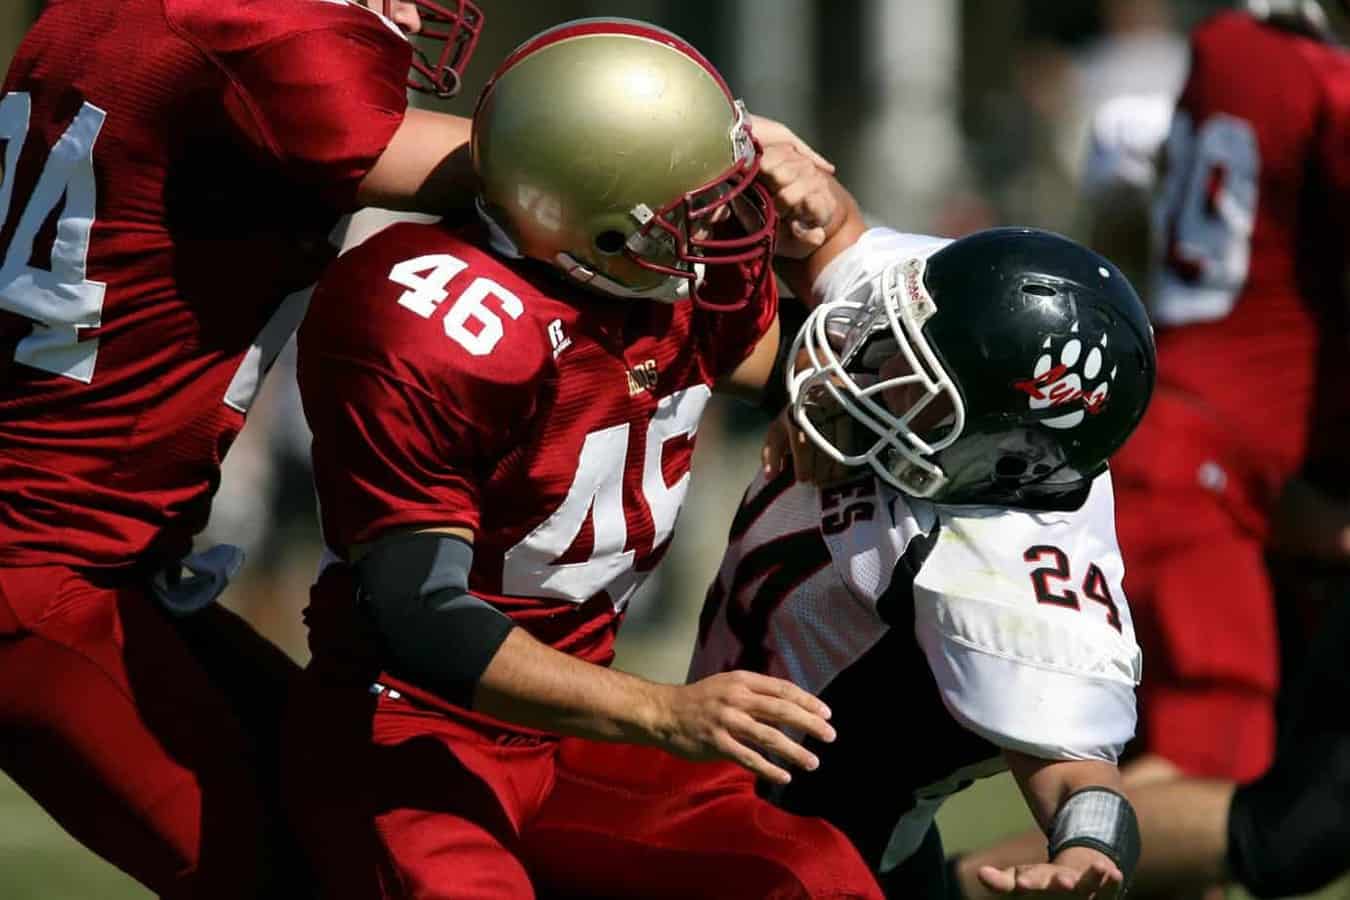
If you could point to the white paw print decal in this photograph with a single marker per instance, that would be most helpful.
(1066, 376)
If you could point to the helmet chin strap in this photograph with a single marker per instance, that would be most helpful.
(498, 239)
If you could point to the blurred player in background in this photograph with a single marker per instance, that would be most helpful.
(501, 451)
(171, 171)
(1243, 452)
(1251, 225)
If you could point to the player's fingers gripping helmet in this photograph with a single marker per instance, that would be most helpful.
(1005, 368)
(450, 28)
(612, 150)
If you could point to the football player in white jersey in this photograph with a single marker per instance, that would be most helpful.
(958, 602)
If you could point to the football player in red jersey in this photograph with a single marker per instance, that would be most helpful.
(1243, 449)
(1248, 296)
(169, 173)
(501, 450)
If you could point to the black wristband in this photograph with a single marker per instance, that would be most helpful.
(1103, 820)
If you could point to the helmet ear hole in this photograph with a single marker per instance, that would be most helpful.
(1039, 290)
(610, 242)
(1010, 467)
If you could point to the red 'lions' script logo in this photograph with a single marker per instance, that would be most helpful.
(1066, 376)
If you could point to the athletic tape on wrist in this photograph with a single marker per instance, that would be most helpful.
(1101, 819)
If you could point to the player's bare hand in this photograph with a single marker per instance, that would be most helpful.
(771, 131)
(1078, 872)
(739, 716)
(808, 202)
(785, 444)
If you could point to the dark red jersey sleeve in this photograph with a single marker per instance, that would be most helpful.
(322, 104)
(727, 338)
(407, 423)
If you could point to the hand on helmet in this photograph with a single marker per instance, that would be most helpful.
(771, 131)
(805, 197)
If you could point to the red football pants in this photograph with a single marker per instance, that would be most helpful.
(628, 821)
(126, 728)
(1190, 520)
(394, 799)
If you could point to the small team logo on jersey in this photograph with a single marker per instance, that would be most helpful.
(556, 337)
(642, 377)
(1066, 376)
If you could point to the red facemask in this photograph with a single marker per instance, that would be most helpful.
(697, 226)
(453, 26)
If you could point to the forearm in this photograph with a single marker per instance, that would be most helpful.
(427, 166)
(1047, 783)
(438, 634)
(529, 683)
(801, 274)
(750, 379)
(1093, 839)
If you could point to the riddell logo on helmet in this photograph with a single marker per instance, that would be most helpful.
(1064, 376)
(920, 305)
(913, 288)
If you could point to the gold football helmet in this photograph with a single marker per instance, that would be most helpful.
(614, 151)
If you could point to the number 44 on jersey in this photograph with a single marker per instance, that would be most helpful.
(59, 299)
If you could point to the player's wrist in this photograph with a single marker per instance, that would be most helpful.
(634, 710)
(653, 713)
(1098, 821)
(1081, 858)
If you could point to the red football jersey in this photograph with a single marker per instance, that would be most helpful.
(1253, 222)
(445, 387)
(171, 171)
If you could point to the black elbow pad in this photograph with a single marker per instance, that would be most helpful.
(435, 633)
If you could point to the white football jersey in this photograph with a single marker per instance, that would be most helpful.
(853, 269)
(963, 629)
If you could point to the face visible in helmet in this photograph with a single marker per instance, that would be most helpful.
(868, 390)
(613, 151)
(885, 374)
(1004, 368)
(401, 13)
(446, 33)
